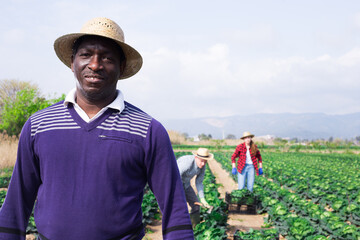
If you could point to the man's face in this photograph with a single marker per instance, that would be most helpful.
(200, 162)
(96, 66)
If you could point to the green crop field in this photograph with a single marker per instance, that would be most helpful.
(308, 195)
(304, 196)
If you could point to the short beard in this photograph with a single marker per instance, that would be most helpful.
(92, 97)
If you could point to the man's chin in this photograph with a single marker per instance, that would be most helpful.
(94, 94)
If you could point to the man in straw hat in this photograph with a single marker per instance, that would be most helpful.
(86, 160)
(249, 162)
(189, 167)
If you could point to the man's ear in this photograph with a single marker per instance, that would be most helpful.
(122, 66)
(72, 63)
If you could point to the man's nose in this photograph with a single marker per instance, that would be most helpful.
(95, 63)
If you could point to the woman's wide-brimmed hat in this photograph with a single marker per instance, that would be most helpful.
(102, 27)
(203, 153)
(247, 134)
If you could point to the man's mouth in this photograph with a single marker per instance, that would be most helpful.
(93, 78)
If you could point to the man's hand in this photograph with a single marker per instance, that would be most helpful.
(204, 203)
(234, 171)
(260, 171)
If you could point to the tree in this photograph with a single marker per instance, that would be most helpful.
(230, 136)
(9, 88)
(185, 135)
(280, 142)
(17, 110)
(203, 136)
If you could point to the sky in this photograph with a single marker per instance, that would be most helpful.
(202, 58)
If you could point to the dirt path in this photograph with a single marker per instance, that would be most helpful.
(155, 231)
(241, 222)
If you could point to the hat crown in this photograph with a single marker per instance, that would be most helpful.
(247, 134)
(103, 27)
(203, 152)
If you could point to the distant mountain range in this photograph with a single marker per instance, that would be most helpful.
(286, 125)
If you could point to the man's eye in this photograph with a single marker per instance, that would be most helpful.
(84, 54)
(108, 59)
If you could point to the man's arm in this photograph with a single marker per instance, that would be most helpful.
(22, 191)
(165, 182)
(199, 183)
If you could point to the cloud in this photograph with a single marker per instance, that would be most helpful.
(198, 84)
(356, 19)
(13, 36)
(214, 61)
(351, 58)
(258, 35)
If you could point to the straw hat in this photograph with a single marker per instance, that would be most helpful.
(103, 27)
(203, 153)
(247, 134)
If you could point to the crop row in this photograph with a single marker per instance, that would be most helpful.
(294, 216)
(332, 183)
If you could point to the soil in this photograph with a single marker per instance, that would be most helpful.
(242, 222)
(30, 237)
(154, 231)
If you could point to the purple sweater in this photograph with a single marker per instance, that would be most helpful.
(88, 178)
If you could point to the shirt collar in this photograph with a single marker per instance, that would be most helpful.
(117, 104)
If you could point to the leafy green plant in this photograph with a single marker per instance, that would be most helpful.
(16, 111)
(31, 228)
(242, 196)
(2, 197)
(149, 207)
(4, 181)
(268, 234)
(299, 228)
(213, 225)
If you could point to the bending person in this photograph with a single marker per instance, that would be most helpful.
(189, 167)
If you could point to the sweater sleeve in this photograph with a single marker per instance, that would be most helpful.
(164, 180)
(22, 191)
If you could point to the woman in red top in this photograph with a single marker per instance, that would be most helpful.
(247, 164)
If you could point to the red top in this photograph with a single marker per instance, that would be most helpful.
(240, 152)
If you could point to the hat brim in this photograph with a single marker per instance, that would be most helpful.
(63, 48)
(252, 135)
(211, 156)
